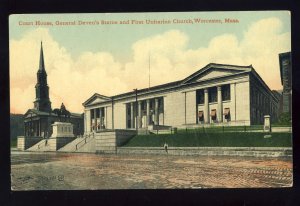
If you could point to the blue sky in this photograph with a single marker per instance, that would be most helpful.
(119, 38)
(113, 58)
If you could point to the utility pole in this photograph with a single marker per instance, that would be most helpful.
(149, 70)
(136, 110)
(112, 112)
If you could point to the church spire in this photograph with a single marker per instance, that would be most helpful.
(42, 101)
(42, 64)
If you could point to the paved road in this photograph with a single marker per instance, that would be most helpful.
(43, 171)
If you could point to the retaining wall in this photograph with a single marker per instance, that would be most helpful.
(108, 141)
(211, 151)
(24, 143)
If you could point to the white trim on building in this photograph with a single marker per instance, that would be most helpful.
(216, 94)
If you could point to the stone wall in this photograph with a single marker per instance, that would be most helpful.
(191, 111)
(174, 105)
(24, 143)
(211, 151)
(243, 102)
(109, 117)
(87, 122)
(108, 141)
(57, 143)
(119, 115)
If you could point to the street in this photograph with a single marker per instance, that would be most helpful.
(56, 171)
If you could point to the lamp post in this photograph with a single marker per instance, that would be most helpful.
(136, 110)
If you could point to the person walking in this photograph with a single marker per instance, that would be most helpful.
(166, 147)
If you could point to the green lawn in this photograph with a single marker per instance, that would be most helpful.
(194, 139)
(221, 129)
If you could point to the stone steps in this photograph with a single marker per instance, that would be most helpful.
(89, 146)
(40, 146)
(71, 147)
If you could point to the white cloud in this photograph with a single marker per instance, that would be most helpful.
(73, 81)
(70, 81)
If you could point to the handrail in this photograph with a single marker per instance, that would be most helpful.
(84, 140)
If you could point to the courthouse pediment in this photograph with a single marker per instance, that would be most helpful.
(96, 98)
(213, 71)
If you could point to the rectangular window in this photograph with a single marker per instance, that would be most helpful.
(200, 116)
(227, 113)
(200, 96)
(226, 92)
(213, 114)
(160, 105)
(128, 124)
(103, 112)
(212, 94)
(92, 113)
(98, 113)
(128, 109)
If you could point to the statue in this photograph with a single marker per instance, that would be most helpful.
(62, 112)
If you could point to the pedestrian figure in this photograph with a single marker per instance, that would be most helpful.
(166, 147)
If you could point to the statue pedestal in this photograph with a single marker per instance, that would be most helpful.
(62, 135)
(62, 129)
(267, 123)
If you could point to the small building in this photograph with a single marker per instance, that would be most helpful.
(217, 94)
(285, 62)
(38, 121)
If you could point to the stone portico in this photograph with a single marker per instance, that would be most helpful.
(214, 95)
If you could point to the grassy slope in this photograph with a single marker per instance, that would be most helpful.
(230, 139)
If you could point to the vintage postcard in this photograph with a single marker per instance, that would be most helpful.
(168, 100)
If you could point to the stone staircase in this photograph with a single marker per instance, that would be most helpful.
(40, 146)
(80, 144)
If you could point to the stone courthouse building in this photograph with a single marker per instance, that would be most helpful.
(38, 121)
(217, 94)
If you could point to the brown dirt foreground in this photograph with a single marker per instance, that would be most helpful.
(62, 171)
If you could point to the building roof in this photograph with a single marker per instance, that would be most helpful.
(234, 69)
(217, 66)
(42, 113)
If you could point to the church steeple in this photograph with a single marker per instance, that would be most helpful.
(42, 64)
(42, 101)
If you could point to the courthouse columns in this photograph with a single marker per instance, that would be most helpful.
(91, 121)
(100, 118)
(220, 113)
(139, 114)
(156, 112)
(131, 115)
(148, 112)
(206, 110)
(95, 119)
